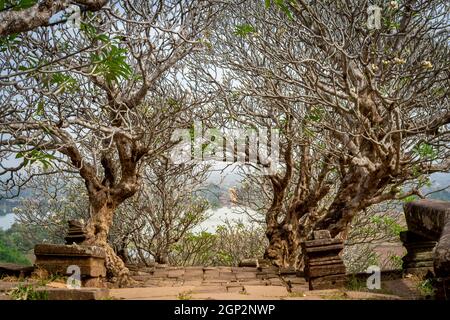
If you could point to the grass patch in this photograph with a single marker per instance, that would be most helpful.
(27, 292)
(185, 295)
(426, 288)
(298, 294)
(357, 284)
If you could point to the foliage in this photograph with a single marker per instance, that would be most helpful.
(27, 292)
(232, 242)
(244, 30)
(426, 288)
(111, 63)
(9, 251)
(379, 226)
(29, 157)
(17, 4)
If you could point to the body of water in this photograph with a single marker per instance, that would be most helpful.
(6, 221)
(219, 215)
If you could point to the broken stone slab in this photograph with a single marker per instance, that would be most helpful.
(75, 294)
(15, 270)
(248, 263)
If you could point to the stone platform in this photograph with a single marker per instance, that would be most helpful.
(56, 259)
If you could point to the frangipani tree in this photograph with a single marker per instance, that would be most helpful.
(98, 100)
(361, 110)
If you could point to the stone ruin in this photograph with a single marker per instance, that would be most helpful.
(324, 268)
(75, 233)
(56, 259)
(427, 242)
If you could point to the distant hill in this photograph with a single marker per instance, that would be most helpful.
(7, 205)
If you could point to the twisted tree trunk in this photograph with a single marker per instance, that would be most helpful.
(97, 230)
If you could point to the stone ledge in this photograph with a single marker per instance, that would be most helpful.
(75, 294)
(72, 250)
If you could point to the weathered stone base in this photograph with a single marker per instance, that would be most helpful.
(56, 259)
(324, 268)
(419, 257)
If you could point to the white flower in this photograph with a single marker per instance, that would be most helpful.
(427, 64)
(393, 5)
(374, 67)
(399, 61)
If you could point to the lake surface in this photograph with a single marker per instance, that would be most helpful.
(6, 221)
(219, 215)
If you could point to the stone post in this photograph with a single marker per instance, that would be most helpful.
(428, 241)
(324, 268)
(419, 257)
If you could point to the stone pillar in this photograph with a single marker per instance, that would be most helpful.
(441, 262)
(428, 223)
(75, 233)
(419, 257)
(324, 268)
(56, 259)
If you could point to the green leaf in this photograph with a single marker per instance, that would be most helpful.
(243, 30)
(24, 4)
(267, 2)
(30, 157)
(40, 108)
(281, 4)
(410, 198)
(425, 151)
(64, 82)
(111, 64)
